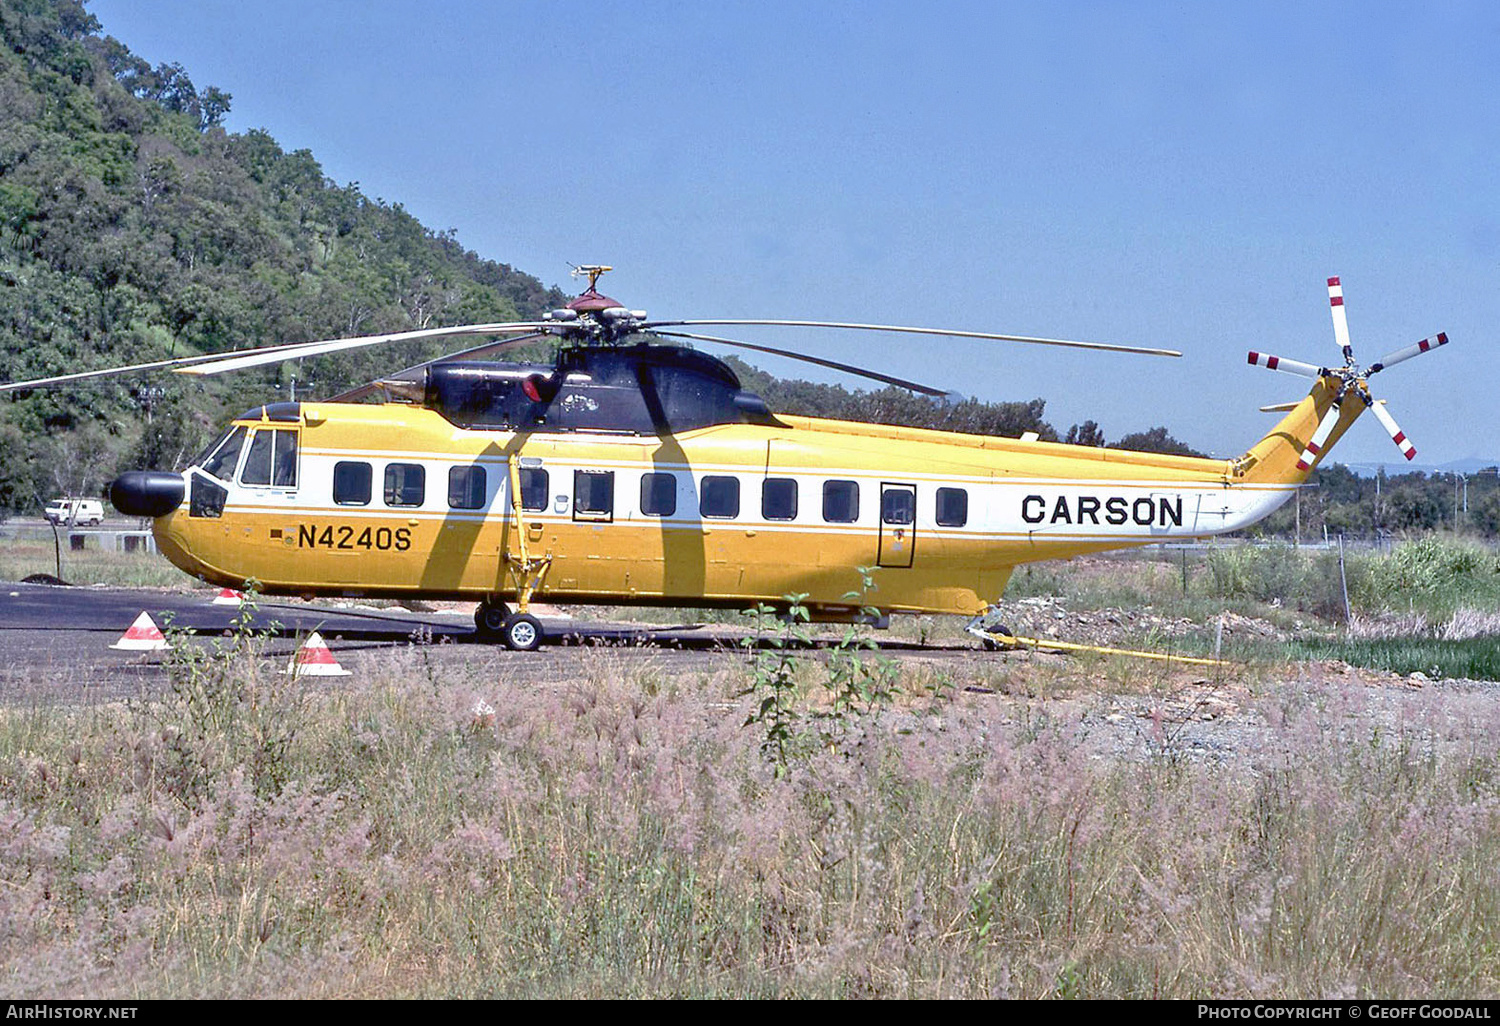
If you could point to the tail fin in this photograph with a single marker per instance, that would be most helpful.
(1280, 457)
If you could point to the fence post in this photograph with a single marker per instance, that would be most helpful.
(1344, 581)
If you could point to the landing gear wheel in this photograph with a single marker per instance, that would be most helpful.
(490, 618)
(522, 633)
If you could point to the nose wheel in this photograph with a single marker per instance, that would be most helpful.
(520, 632)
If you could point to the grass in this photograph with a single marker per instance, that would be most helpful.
(35, 553)
(626, 834)
(426, 830)
(1471, 658)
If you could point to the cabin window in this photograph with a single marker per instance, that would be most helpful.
(466, 488)
(351, 483)
(720, 497)
(405, 484)
(272, 459)
(593, 494)
(534, 488)
(952, 507)
(658, 495)
(225, 455)
(840, 502)
(898, 506)
(778, 499)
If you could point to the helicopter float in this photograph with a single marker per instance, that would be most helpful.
(633, 472)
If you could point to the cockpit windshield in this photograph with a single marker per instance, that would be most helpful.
(220, 458)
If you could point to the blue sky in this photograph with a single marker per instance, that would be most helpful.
(1169, 174)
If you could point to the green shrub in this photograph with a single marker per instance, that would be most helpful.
(1436, 574)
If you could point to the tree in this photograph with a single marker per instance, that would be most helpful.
(1409, 507)
(1155, 440)
(213, 106)
(1087, 433)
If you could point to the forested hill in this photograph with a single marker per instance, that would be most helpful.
(133, 227)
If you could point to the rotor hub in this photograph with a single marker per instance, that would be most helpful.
(593, 302)
(593, 317)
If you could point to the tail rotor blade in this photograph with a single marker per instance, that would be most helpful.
(1278, 363)
(1393, 429)
(1400, 355)
(1319, 439)
(1340, 319)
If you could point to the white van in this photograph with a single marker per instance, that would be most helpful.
(80, 511)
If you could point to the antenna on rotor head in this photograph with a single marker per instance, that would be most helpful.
(592, 270)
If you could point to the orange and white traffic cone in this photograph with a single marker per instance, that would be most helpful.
(228, 597)
(143, 636)
(314, 659)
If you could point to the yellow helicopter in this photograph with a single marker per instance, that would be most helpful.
(633, 472)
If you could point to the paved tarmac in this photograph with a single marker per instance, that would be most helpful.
(55, 640)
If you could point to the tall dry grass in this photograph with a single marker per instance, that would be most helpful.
(429, 832)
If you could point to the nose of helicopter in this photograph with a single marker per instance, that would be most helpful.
(147, 493)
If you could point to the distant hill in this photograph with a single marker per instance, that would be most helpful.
(1471, 465)
(133, 227)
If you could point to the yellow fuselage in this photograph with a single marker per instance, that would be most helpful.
(860, 496)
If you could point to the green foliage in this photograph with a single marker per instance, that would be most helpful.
(1157, 439)
(773, 682)
(857, 683)
(1087, 433)
(1338, 501)
(895, 406)
(225, 712)
(133, 227)
(1468, 658)
(1438, 575)
(1270, 573)
(1434, 565)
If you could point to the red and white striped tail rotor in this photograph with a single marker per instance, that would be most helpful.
(1393, 429)
(1281, 363)
(1402, 355)
(1345, 379)
(1319, 439)
(1340, 319)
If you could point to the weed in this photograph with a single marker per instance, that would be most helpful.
(224, 708)
(772, 681)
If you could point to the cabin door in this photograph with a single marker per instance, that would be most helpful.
(898, 524)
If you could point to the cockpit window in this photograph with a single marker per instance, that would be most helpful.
(220, 460)
(272, 459)
(284, 474)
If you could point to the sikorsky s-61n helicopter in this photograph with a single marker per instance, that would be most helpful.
(634, 472)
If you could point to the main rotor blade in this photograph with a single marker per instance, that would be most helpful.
(371, 387)
(1279, 363)
(63, 379)
(1401, 355)
(835, 365)
(1340, 319)
(264, 354)
(947, 332)
(1391, 427)
(297, 350)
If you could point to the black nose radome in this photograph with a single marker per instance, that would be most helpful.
(146, 493)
